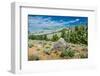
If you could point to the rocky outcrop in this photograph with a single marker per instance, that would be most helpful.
(60, 44)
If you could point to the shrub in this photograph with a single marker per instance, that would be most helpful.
(38, 49)
(83, 56)
(47, 50)
(37, 37)
(63, 33)
(55, 37)
(77, 35)
(32, 37)
(30, 45)
(67, 53)
(33, 57)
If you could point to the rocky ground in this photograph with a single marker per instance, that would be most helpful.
(48, 50)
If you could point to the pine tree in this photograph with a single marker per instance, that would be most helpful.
(55, 37)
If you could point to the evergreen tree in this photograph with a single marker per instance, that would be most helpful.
(55, 37)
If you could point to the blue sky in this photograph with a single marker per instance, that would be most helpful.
(38, 22)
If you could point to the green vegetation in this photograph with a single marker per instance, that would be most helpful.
(30, 45)
(33, 57)
(67, 43)
(83, 56)
(76, 35)
(68, 53)
(55, 37)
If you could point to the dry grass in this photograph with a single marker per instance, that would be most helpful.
(42, 50)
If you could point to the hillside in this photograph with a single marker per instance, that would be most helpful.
(67, 43)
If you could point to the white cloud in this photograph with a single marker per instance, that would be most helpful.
(45, 22)
(72, 21)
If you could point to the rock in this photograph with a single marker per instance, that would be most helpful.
(60, 44)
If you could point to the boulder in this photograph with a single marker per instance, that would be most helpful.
(60, 44)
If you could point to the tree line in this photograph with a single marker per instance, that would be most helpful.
(76, 35)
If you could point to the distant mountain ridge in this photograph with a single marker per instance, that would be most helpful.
(51, 30)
